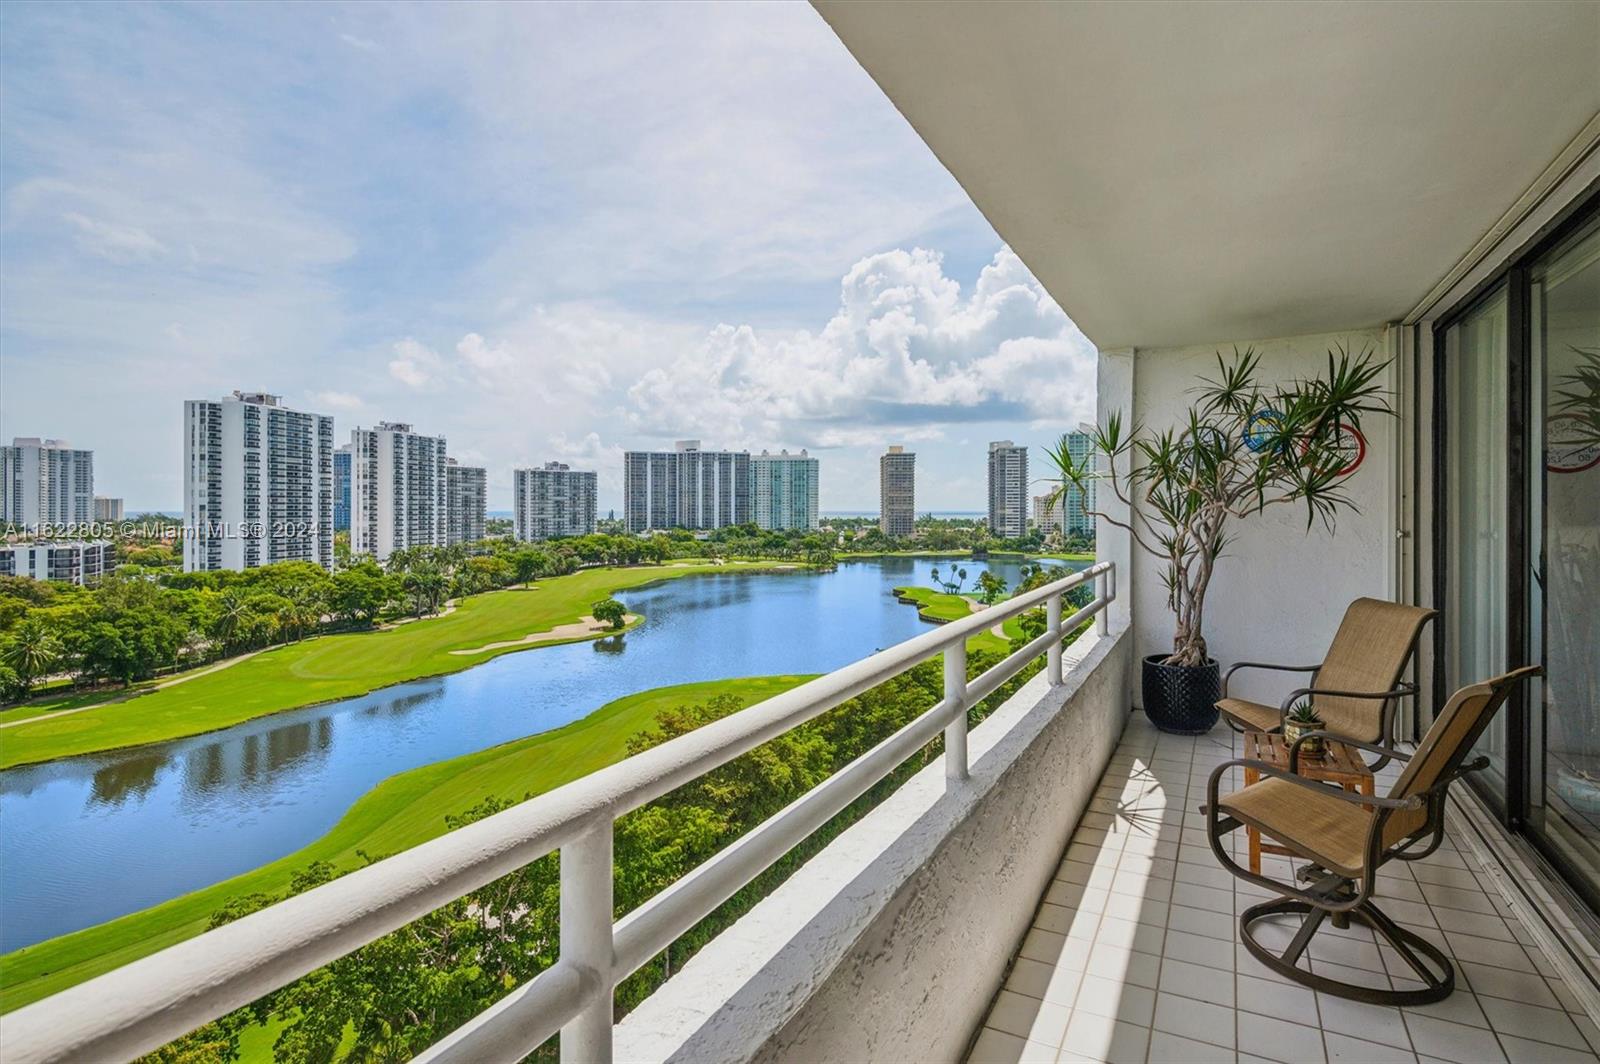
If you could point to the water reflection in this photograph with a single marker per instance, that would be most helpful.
(91, 838)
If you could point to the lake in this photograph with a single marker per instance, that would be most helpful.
(91, 838)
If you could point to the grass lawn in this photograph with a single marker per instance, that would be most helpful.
(326, 668)
(398, 813)
(942, 608)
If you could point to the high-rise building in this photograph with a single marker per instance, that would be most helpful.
(897, 492)
(1045, 516)
(553, 501)
(71, 561)
(785, 490)
(107, 509)
(341, 488)
(257, 483)
(1008, 490)
(466, 498)
(398, 490)
(45, 482)
(686, 488)
(1078, 504)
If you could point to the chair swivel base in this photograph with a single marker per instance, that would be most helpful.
(1438, 978)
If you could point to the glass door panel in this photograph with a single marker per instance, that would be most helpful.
(1564, 549)
(1475, 496)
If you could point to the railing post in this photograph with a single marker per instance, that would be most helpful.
(1052, 614)
(1106, 591)
(586, 909)
(955, 694)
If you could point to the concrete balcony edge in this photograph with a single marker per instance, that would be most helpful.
(889, 943)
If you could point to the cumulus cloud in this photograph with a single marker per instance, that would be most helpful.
(336, 400)
(415, 364)
(905, 349)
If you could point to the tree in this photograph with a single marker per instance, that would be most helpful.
(611, 612)
(31, 652)
(528, 563)
(360, 592)
(1241, 447)
(990, 587)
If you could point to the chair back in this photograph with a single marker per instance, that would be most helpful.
(1446, 745)
(1369, 652)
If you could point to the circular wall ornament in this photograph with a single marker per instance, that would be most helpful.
(1351, 445)
(1568, 447)
(1261, 427)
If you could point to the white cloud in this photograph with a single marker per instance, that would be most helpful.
(109, 240)
(414, 364)
(905, 352)
(337, 400)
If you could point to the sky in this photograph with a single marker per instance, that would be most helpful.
(545, 232)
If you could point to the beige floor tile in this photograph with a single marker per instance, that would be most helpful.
(1116, 999)
(1279, 1039)
(1196, 981)
(1194, 1019)
(1100, 1038)
(1173, 1049)
(1028, 1018)
(1451, 1041)
(1342, 1049)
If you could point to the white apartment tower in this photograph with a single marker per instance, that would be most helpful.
(257, 483)
(897, 492)
(1078, 504)
(785, 490)
(1008, 490)
(45, 482)
(399, 490)
(1047, 518)
(553, 501)
(467, 499)
(686, 488)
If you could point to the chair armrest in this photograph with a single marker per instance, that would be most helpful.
(1405, 690)
(1371, 748)
(1411, 802)
(1236, 666)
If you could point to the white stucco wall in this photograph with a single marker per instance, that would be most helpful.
(890, 943)
(1279, 590)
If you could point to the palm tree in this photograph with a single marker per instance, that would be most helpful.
(230, 617)
(32, 651)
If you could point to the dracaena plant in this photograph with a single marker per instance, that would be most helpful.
(1243, 446)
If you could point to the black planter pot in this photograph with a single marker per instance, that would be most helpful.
(1181, 699)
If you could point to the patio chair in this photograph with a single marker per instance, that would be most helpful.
(1345, 838)
(1356, 688)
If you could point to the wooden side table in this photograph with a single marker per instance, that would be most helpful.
(1339, 764)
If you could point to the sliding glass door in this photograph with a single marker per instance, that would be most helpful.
(1564, 547)
(1518, 535)
(1475, 493)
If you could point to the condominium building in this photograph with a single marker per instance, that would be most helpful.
(341, 489)
(47, 482)
(897, 492)
(686, 488)
(399, 490)
(71, 561)
(785, 490)
(1078, 504)
(553, 501)
(107, 508)
(257, 483)
(466, 498)
(1008, 490)
(1047, 517)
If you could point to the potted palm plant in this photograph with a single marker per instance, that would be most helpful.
(1242, 447)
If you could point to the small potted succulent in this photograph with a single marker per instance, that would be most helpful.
(1302, 720)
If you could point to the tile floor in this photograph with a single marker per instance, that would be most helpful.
(1134, 954)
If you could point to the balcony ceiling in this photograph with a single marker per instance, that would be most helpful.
(1180, 173)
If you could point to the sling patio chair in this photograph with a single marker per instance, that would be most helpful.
(1356, 687)
(1345, 838)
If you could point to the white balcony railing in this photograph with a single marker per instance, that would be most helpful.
(145, 1004)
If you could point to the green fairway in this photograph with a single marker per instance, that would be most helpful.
(330, 667)
(399, 813)
(940, 607)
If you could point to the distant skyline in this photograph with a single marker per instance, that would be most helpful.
(544, 232)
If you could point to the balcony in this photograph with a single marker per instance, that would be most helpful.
(1042, 891)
